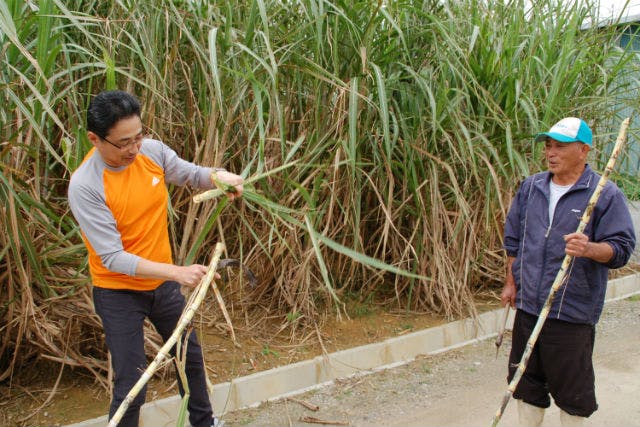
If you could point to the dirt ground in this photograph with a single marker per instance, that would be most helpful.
(464, 387)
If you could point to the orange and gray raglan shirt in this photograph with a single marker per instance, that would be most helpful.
(122, 212)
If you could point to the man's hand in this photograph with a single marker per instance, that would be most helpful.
(508, 295)
(231, 183)
(578, 245)
(189, 275)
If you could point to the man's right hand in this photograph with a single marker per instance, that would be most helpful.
(187, 275)
(190, 275)
(508, 295)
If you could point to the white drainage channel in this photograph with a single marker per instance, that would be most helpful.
(299, 377)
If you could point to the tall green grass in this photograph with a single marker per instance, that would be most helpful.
(408, 123)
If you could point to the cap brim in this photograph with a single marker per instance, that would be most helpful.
(557, 136)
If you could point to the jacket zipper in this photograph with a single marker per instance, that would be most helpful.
(544, 267)
(546, 245)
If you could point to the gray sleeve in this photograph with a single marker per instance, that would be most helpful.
(176, 170)
(87, 202)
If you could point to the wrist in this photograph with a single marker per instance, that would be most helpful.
(588, 250)
(214, 174)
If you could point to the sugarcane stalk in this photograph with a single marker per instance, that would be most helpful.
(223, 188)
(185, 319)
(503, 326)
(223, 307)
(206, 195)
(181, 360)
(562, 273)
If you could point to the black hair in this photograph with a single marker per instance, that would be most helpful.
(107, 108)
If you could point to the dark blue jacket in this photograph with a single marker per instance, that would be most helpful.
(539, 248)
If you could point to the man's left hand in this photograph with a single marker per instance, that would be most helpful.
(230, 179)
(578, 245)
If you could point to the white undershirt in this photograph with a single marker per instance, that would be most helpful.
(555, 192)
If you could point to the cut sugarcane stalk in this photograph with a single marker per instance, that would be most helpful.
(194, 302)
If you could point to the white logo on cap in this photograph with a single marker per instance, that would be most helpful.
(568, 127)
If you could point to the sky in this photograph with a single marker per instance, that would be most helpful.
(611, 10)
(617, 5)
(608, 11)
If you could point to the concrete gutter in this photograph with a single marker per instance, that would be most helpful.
(299, 377)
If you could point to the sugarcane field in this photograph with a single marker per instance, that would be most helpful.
(319, 212)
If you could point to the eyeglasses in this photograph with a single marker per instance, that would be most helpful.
(131, 141)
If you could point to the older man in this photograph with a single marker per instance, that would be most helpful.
(539, 232)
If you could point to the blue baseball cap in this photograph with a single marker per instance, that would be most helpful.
(569, 129)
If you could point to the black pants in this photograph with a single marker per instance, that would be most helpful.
(123, 313)
(560, 365)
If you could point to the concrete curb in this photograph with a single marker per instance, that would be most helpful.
(302, 376)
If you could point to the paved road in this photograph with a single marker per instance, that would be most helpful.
(617, 364)
(464, 387)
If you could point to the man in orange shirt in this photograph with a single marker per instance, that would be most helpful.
(119, 197)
